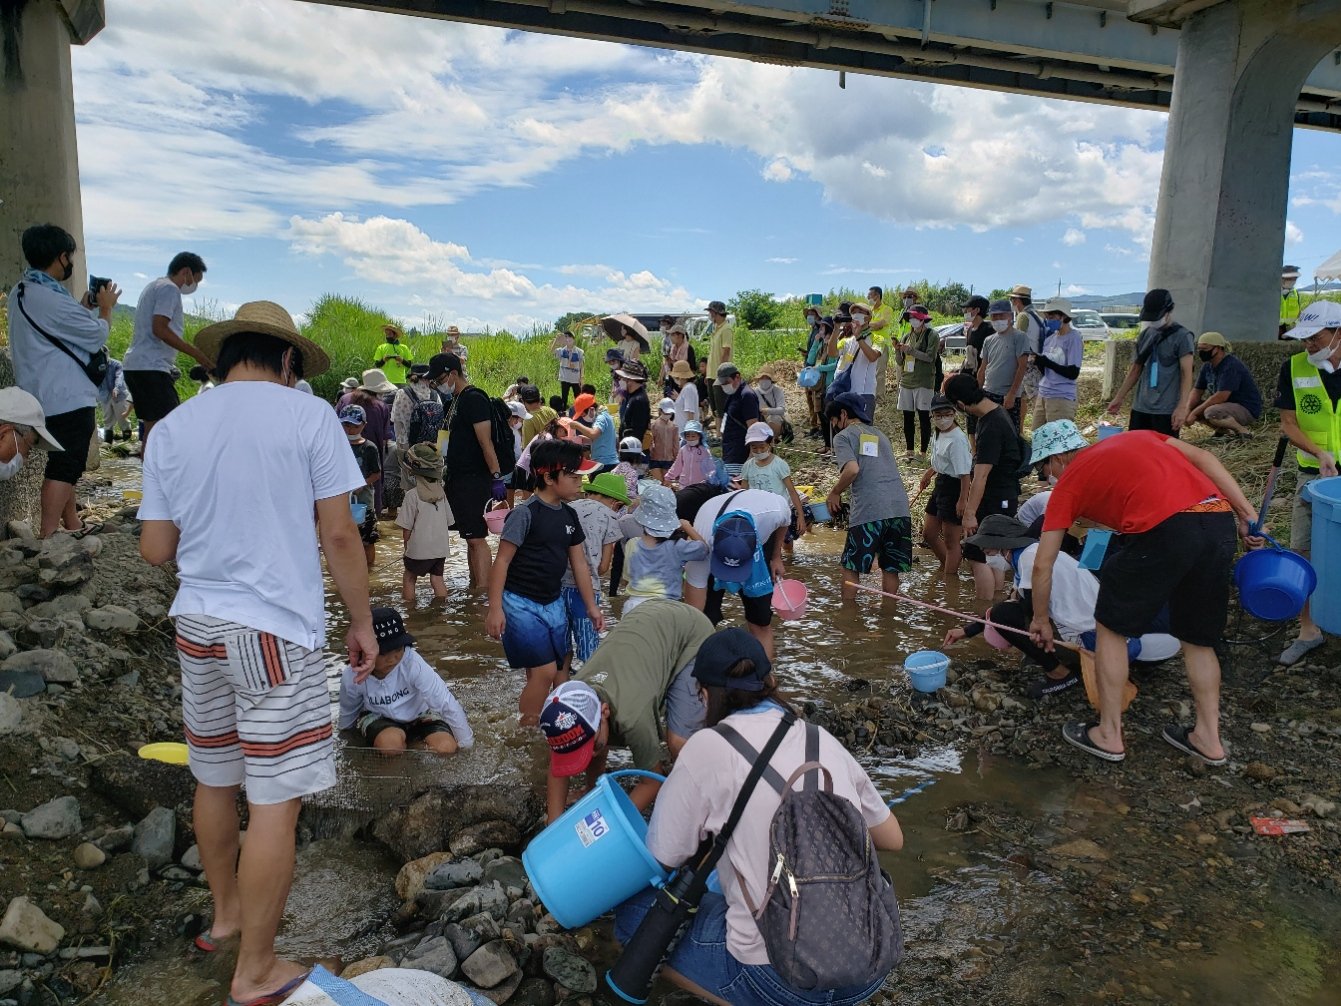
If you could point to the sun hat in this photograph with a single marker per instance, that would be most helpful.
(1289, 272)
(453, 332)
(939, 403)
(349, 383)
(666, 405)
(656, 511)
(423, 459)
(389, 628)
(997, 530)
(582, 403)
(765, 373)
(694, 426)
(758, 433)
(375, 381)
(682, 370)
(1022, 291)
(909, 291)
(518, 410)
(734, 542)
(1158, 302)
(570, 721)
(633, 371)
(855, 407)
(716, 307)
(725, 372)
(1314, 318)
(265, 317)
(862, 306)
(677, 327)
(1055, 437)
(1058, 305)
(920, 312)
(724, 650)
(608, 484)
(1000, 307)
(1213, 339)
(352, 415)
(19, 407)
(630, 445)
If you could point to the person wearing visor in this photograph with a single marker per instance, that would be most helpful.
(639, 678)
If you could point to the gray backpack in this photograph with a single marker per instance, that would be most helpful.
(829, 917)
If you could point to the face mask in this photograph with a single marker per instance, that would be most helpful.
(69, 269)
(10, 468)
(691, 443)
(190, 288)
(908, 302)
(1001, 325)
(762, 455)
(1052, 326)
(968, 317)
(859, 320)
(999, 562)
(918, 324)
(1204, 355)
(354, 437)
(1322, 359)
(944, 422)
(1052, 480)
(765, 385)
(1285, 291)
(729, 389)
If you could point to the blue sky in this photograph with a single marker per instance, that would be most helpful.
(475, 176)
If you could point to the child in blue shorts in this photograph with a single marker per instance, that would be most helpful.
(541, 539)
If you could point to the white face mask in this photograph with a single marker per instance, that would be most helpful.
(1322, 358)
(908, 302)
(729, 389)
(860, 320)
(10, 468)
(999, 562)
(691, 443)
(944, 422)
(765, 385)
(1001, 325)
(190, 288)
(354, 437)
(968, 317)
(918, 324)
(761, 456)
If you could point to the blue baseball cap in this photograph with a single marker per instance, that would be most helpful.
(353, 415)
(734, 542)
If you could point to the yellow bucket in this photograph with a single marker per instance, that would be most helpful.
(165, 751)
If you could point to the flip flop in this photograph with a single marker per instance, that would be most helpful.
(90, 527)
(207, 943)
(274, 998)
(1179, 737)
(1078, 735)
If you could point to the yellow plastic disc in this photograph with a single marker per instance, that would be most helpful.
(166, 751)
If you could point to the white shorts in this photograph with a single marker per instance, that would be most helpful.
(256, 710)
(915, 399)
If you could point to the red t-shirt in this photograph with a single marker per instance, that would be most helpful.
(1129, 482)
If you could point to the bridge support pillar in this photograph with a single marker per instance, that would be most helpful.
(1220, 224)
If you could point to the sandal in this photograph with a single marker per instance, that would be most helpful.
(90, 527)
(1078, 735)
(273, 998)
(1179, 737)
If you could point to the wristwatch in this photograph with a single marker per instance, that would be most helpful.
(497, 476)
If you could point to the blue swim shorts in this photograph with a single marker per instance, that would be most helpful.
(536, 634)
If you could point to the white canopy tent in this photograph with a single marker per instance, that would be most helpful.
(1331, 269)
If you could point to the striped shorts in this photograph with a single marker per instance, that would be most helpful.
(256, 710)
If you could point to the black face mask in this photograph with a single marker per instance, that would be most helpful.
(1205, 355)
(69, 269)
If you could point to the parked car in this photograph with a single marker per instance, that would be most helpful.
(1090, 326)
(952, 336)
(1121, 321)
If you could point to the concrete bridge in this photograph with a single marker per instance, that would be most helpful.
(1234, 75)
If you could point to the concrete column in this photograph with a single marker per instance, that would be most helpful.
(1220, 224)
(39, 161)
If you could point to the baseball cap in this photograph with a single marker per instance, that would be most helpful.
(518, 410)
(855, 407)
(614, 354)
(1213, 339)
(758, 433)
(1158, 302)
(1000, 307)
(1289, 272)
(443, 363)
(353, 415)
(734, 543)
(389, 629)
(582, 403)
(727, 371)
(18, 406)
(939, 403)
(630, 444)
(724, 650)
(666, 405)
(528, 393)
(1314, 318)
(569, 721)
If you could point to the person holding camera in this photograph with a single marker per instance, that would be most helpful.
(60, 358)
(159, 326)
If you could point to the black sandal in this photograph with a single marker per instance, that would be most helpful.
(1180, 737)
(1078, 735)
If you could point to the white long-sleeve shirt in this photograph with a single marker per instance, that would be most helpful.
(412, 689)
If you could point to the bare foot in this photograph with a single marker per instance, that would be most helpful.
(283, 975)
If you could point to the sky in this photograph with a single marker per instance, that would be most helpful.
(456, 174)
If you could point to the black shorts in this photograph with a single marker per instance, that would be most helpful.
(1158, 422)
(1185, 561)
(1008, 507)
(424, 567)
(72, 430)
(368, 529)
(153, 392)
(468, 495)
(887, 542)
(758, 610)
(370, 726)
(944, 498)
(659, 466)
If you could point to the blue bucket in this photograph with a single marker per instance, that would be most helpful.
(595, 856)
(1107, 430)
(820, 512)
(808, 378)
(1325, 497)
(359, 511)
(1273, 583)
(1096, 547)
(926, 670)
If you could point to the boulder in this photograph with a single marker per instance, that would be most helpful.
(88, 856)
(154, 837)
(433, 954)
(569, 970)
(428, 822)
(471, 933)
(507, 871)
(478, 837)
(112, 618)
(490, 965)
(22, 684)
(410, 879)
(503, 991)
(454, 873)
(362, 967)
(138, 785)
(11, 713)
(58, 818)
(54, 667)
(41, 633)
(439, 904)
(26, 927)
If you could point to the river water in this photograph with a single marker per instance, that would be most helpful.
(964, 896)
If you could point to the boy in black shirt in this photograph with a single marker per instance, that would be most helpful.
(353, 419)
(541, 538)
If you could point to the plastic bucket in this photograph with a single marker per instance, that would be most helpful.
(1273, 583)
(789, 599)
(808, 378)
(994, 638)
(359, 511)
(926, 670)
(1325, 496)
(1107, 430)
(820, 511)
(495, 519)
(1096, 547)
(595, 856)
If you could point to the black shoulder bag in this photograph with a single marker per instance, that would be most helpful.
(96, 367)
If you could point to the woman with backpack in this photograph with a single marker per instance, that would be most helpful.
(741, 947)
(416, 416)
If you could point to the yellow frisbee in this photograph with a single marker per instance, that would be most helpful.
(166, 751)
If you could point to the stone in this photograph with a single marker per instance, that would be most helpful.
(22, 530)
(569, 970)
(453, 874)
(26, 927)
(78, 570)
(1319, 807)
(471, 933)
(493, 901)
(477, 837)
(490, 965)
(522, 916)
(22, 684)
(154, 837)
(138, 785)
(9, 981)
(58, 818)
(1080, 848)
(112, 618)
(1259, 771)
(362, 967)
(32, 592)
(503, 991)
(191, 859)
(410, 879)
(433, 954)
(440, 904)
(7, 645)
(41, 633)
(534, 992)
(11, 713)
(427, 822)
(116, 839)
(507, 871)
(88, 856)
(54, 666)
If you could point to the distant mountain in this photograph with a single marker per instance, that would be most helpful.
(1112, 302)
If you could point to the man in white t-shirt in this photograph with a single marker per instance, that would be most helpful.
(746, 557)
(159, 326)
(230, 493)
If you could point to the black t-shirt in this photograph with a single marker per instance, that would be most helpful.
(543, 534)
(370, 463)
(1285, 387)
(999, 446)
(979, 336)
(742, 409)
(465, 457)
(637, 414)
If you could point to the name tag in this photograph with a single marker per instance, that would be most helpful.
(1308, 382)
(870, 445)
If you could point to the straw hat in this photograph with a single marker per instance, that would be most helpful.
(265, 318)
(682, 371)
(1020, 290)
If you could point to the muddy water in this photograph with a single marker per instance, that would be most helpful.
(965, 895)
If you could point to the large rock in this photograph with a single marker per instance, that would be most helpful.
(507, 871)
(112, 618)
(534, 992)
(26, 927)
(490, 965)
(485, 835)
(22, 684)
(41, 633)
(569, 970)
(428, 822)
(433, 954)
(438, 904)
(54, 666)
(58, 818)
(471, 933)
(410, 879)
(504, 990)
(453, 874)
(154, 837)
(138, 785)
(11, 713)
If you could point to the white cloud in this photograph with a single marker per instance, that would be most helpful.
(1073, 237)
(781, 261)
(1074, 290)
(839, 270)
(1293, 235)
(778, 171)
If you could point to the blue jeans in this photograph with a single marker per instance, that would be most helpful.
(702, 957)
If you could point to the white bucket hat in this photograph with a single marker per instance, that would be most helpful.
(656, 511)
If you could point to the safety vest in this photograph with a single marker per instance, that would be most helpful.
(1290, 306)
(1318, 419)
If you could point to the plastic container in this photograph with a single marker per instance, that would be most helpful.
(172, 752)
(1274, 584)
(1092, 555)
(595, 856)
(1107, 430)
(495, 519)
(994, 638)
(820, 511)
(359, 511)
(1325, 495)
(926, 670)
(789, 599)
(809, 377)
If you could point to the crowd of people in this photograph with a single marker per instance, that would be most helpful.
(675, 502)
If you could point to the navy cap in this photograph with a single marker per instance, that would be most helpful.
(722, 651)
(855, 407)
(734, 542)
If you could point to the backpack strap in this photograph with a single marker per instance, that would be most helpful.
(771, 775)
(811, 758)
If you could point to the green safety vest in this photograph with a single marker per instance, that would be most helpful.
(1313, 410)
(1290, 306)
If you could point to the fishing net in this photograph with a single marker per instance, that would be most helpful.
(372, 782)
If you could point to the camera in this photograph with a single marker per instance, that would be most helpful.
(96, 283)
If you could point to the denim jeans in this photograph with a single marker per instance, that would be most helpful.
(702, 957)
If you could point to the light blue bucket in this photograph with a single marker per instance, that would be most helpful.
(808, 378)
(820, 512)
(926, 670)
(1107, 430)
(359, 511)
(595, 856)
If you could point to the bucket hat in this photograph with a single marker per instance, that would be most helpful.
(1059, 305)
(1000, 531)
(423, 460)
(633, 371)
(758, 433)
(656, 511)
(349, 383)
(18, 406)
(582, 403)
(1055, 437)
(694, 426)
(682, 370)
(569, 721)
(389, 628)
(265, 318)
(609, 484)
(724, 650)
(374, 380)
